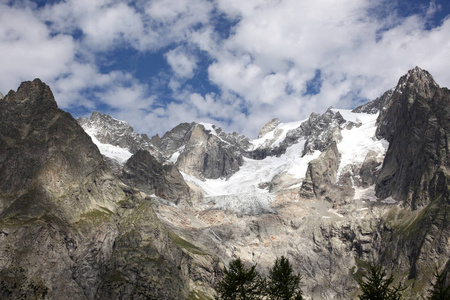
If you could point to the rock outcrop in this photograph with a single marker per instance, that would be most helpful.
(201, 151)
(416, 124)
(320, 178)
(318, 131)
(69, 228)
(146, 173)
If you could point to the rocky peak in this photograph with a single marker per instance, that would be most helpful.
(50, 148)
(319, 131)
(375, 106)
(31, 97)
(419, 80)
(115, 132)
(173, 139)
(268, 127)
(415, 123)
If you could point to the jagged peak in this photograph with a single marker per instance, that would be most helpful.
(268, 127)
(36, 92)
(417, 78)
(98, 116)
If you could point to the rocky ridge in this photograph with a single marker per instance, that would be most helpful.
(352, 219)
(118, 138)
(330, 193)
(69, 228)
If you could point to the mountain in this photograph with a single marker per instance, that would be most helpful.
(331, 193)
(117, 138)
(69, 228)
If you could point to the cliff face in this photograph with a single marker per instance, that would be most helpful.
(330, 193)
(68, 227)
(416, 124)
(143, 171)
(415, 121)
(202, 150)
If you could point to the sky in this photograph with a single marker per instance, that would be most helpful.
(233, 63)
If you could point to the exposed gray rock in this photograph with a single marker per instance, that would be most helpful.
(321, 175)
(69, 228)
(416, 124)
(375, 106)
(200, 152)
(268, 127)
(319, 131)
(143, 171)
(118, 133)
(368, 173)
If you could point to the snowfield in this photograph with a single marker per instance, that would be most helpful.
(246, 192)
(242, 193)
(115, 152)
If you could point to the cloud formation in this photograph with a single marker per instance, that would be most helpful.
(233, 63)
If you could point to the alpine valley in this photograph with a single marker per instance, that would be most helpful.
(90, 209)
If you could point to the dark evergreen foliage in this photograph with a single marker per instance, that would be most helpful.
(439, 290)
(241, 283)
(283, 283)
(377, 286)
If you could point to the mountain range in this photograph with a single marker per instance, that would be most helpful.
(90, 209)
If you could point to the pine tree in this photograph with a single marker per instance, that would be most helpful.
(375, 285)
(439, 291)
(283, 283)
(241, 283)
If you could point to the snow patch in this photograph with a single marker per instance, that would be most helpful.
(358, 141)
(242, 204)
(365, 194)
(242, 192)
(389, 200)
(281, 130)
(117, 153)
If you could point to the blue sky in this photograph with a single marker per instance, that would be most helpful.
(234, 63)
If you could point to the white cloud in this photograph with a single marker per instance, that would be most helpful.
(27, 50)
(261, 70)
(181, 62)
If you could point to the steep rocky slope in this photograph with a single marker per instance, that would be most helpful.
(69, 228)
(116, 138)
(202, 150)
(331, 193)
(143, 171)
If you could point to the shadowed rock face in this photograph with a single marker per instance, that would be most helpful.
(321, 175)
(53, 182)
(416, 124)
(203, 153)
(68, 228)
(144, 172)
(43, 149)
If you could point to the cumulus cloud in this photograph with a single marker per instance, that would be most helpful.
(181, 62)
(234, 63)
(27, 50)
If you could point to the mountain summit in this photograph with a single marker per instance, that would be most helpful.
(116, 214)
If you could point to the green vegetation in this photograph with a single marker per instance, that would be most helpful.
(375, 285)
(241, 283)
(115, 276)
(185, 244)
(245, 283)
(439, 290)
(283, 284)
(198, 295)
